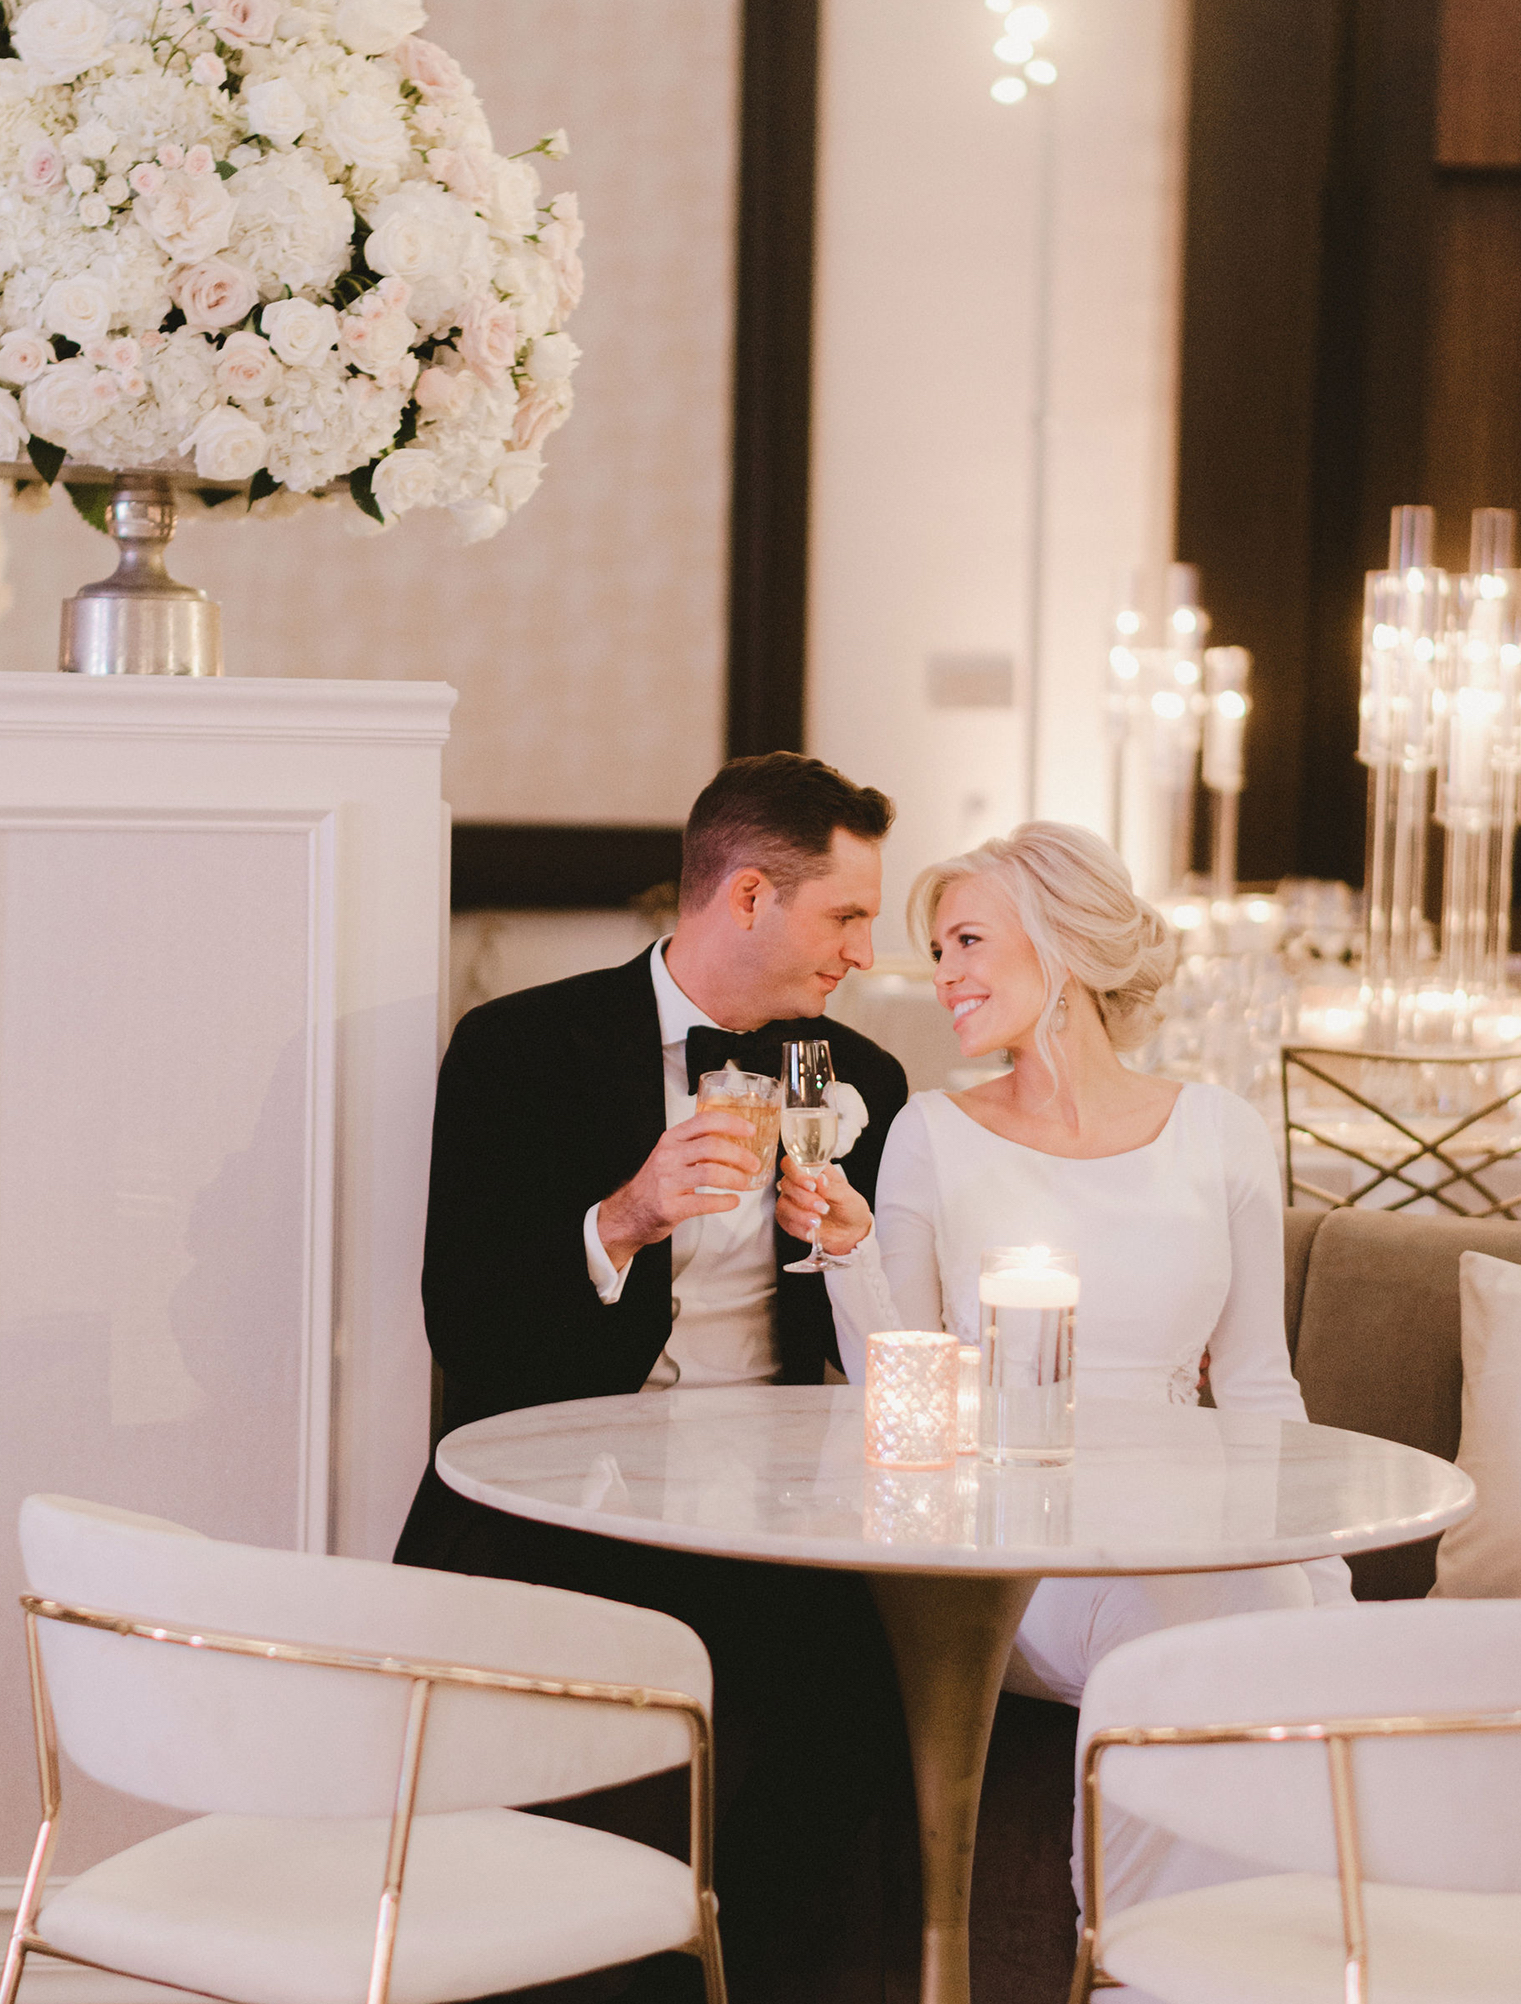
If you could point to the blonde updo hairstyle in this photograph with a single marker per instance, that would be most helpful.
(1072, 894)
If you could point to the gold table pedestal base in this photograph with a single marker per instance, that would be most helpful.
(951, 1634)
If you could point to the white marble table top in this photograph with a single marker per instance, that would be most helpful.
(767, 1472)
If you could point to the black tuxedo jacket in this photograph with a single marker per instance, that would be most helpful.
(548, 1101)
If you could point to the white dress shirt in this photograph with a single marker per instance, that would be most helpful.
(723, 1266)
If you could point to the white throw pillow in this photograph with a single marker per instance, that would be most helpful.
(1480, 1559)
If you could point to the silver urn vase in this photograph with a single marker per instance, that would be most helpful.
(139, 621)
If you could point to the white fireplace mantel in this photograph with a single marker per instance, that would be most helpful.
(222, 913)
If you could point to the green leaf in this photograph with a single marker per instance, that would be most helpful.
(64, 349)
(6, 50)
(46, 457)
(353, 285)
(262, 486)
(362, 492)
(406, 431)
(226, 169)
(216, 497)
(90, 502)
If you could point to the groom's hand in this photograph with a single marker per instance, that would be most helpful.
(710, 1149)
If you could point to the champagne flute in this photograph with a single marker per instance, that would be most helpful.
(810, 1125)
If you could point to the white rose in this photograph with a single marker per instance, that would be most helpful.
(81, 177)
(276, 110)
(42, 168)
(299, 331)
(94, 140)
(77, 308)
(551, 360)
(489, 339)
(24, 354)
(60, 39)
(432, 69)
(245, 21)
(517, 479)
(210, 70)
(94, 212)
(219, 292)
(246, 369)
(66, 399)
(115, 190)
(401, 244)
(12, 430)
(374, 27)
(514, 207)
(367, 130)
(227, 445)
(189, 218)
(406, 480)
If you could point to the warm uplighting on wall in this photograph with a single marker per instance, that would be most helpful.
(1024, 27)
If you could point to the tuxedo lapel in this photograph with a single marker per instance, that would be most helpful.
(614, 1044)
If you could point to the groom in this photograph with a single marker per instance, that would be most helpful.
(581, 1241)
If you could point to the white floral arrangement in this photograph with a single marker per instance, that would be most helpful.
(271, 241)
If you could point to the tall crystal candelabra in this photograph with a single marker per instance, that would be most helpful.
(1476, 777)
(1404, 639)
(1227, 672)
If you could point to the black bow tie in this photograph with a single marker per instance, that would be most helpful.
(751, 1050)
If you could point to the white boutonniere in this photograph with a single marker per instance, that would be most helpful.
(851, 1108)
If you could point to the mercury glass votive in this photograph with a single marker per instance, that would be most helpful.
(912, 1385)
(968, 1397)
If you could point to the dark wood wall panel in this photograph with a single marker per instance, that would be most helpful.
(1264, 81)
(1479, 93)
(1352, 341)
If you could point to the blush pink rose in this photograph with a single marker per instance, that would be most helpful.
(24, 354)
(246, 368)
(42, 168)
(445, 393)
(489, 339)
(219, 292)
(432, 69)
(246, 21)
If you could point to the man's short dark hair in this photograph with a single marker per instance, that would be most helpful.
(778, 814)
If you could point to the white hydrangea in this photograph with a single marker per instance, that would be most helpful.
(274, 237)
(291, 226)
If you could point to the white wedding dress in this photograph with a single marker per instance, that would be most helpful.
(1180, 1250)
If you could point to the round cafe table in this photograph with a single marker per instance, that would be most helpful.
(778, 1474)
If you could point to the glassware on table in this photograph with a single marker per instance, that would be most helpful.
(754, 1098)
(968, 1398)
(1029, 1309)
(810, 1124)
(912, 1377)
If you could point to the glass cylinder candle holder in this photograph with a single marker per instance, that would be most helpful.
(912, 1384)
(1029, 1305)
(968, 1396)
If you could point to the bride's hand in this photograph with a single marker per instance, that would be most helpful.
(806, 1196)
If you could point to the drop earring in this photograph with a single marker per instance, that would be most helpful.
(1059, 1014)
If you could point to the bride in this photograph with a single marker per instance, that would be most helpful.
(1169, 1195)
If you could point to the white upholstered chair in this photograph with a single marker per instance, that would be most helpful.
(1364, 1763)
(346, 1735)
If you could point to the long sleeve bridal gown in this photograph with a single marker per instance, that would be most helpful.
(1180, 1250)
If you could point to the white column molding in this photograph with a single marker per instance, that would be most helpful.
(221, 914)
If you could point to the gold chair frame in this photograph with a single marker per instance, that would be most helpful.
(1337, 1736)
(1453, 1176)
(422, 1676)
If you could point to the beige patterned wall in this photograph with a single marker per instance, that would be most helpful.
(587, 641)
